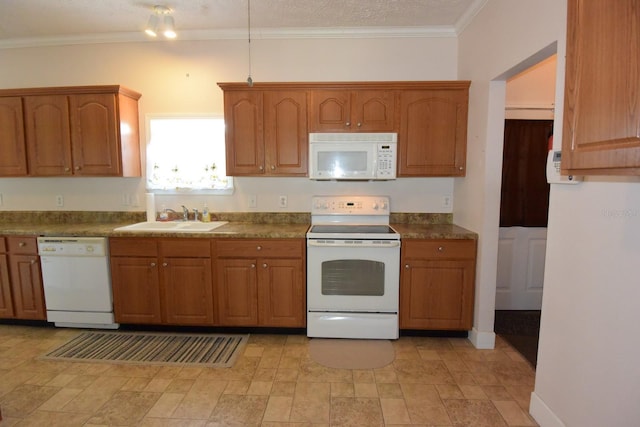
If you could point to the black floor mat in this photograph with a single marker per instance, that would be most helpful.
(520, 328)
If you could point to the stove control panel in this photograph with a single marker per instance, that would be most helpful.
(350, 205)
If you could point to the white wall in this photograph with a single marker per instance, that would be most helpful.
(587, 372)
(181, 77)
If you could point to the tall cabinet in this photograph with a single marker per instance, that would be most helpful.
(601, 129)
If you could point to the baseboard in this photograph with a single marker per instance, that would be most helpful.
(482, 340)
(542, 413)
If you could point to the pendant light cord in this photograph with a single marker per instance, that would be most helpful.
(249, 79)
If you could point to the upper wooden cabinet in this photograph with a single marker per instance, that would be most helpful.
(13, 153)
(601, 129)
(352, 111)
(70, 131)
(266, 131)
(267, 124)
(432, 139)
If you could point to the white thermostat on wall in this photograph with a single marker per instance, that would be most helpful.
(553, 170)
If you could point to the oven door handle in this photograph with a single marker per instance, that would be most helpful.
(365, 244)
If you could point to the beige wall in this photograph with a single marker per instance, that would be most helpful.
(587, 372)
(181, 76)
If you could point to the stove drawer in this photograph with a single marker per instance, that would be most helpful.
(439, 249)
(251, 248)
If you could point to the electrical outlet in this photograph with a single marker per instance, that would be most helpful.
(447, 201)
(59, 201)
(282, 201)
(252, 201)
(0, 199)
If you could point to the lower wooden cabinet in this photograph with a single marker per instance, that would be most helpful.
(21, 291)
(261, 282)
(162, 281)
(437, 282)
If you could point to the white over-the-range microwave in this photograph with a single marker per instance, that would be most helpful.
(352, 156)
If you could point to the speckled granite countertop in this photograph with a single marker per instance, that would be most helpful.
(241, 225)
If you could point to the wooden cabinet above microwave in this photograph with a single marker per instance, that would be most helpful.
(271, 138)
(69, 131)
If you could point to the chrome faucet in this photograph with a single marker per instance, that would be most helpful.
(185, 213)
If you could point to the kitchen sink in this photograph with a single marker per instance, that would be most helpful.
(173, 226)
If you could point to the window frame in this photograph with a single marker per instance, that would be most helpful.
(178, 191)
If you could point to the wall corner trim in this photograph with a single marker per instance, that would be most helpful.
(542, 413)
(482, 340)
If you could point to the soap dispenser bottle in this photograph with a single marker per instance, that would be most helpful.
(206, 216)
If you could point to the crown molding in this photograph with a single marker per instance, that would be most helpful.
(238, 34)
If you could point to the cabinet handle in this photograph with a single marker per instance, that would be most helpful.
(440, 248)
(359, 124)
(77, 168)
(461, 168)
(261, 167)
(253, 266)
(67, 169)
(33, 261)
(164, 264)
(348, 123)
(273, 167)
(264, 265)
(153, 264)
(407, 266)
(22, 244)
(258, 248)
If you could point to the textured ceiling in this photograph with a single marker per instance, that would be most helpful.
(47, 20)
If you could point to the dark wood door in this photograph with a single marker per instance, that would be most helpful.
(525, 192)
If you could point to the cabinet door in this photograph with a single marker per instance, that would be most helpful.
(437, 294)
(26, 287)
(6, 305)
(602, 89)
(244, 132)
(136, 290)
(285, 133)
(281, 293)
(373, 111)
(94, 135)
(433, 133)
(330, 111)
(13, 153)
(236, 292)
(48, 136)
(187, 291)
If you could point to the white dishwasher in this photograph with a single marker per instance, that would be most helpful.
(77, 282)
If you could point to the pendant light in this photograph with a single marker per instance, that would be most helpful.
(249, 79)
(161, 15)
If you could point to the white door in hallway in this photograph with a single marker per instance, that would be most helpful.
(521, 253)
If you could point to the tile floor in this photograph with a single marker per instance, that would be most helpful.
(432, 382)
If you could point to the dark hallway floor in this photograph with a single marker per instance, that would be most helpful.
(520, 328)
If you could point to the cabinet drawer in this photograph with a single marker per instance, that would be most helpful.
(3, 246)
(192, 248)
(22, 245)
(286, 248)
(133, 247)
(439, 249)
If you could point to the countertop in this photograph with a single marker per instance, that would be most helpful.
(239, 226)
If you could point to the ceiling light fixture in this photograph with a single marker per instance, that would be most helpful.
(168, 24)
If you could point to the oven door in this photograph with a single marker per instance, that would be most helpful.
(353, 275)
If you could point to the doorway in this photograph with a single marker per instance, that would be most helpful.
(524, 206)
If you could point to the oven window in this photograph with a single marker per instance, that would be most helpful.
(353, 277)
